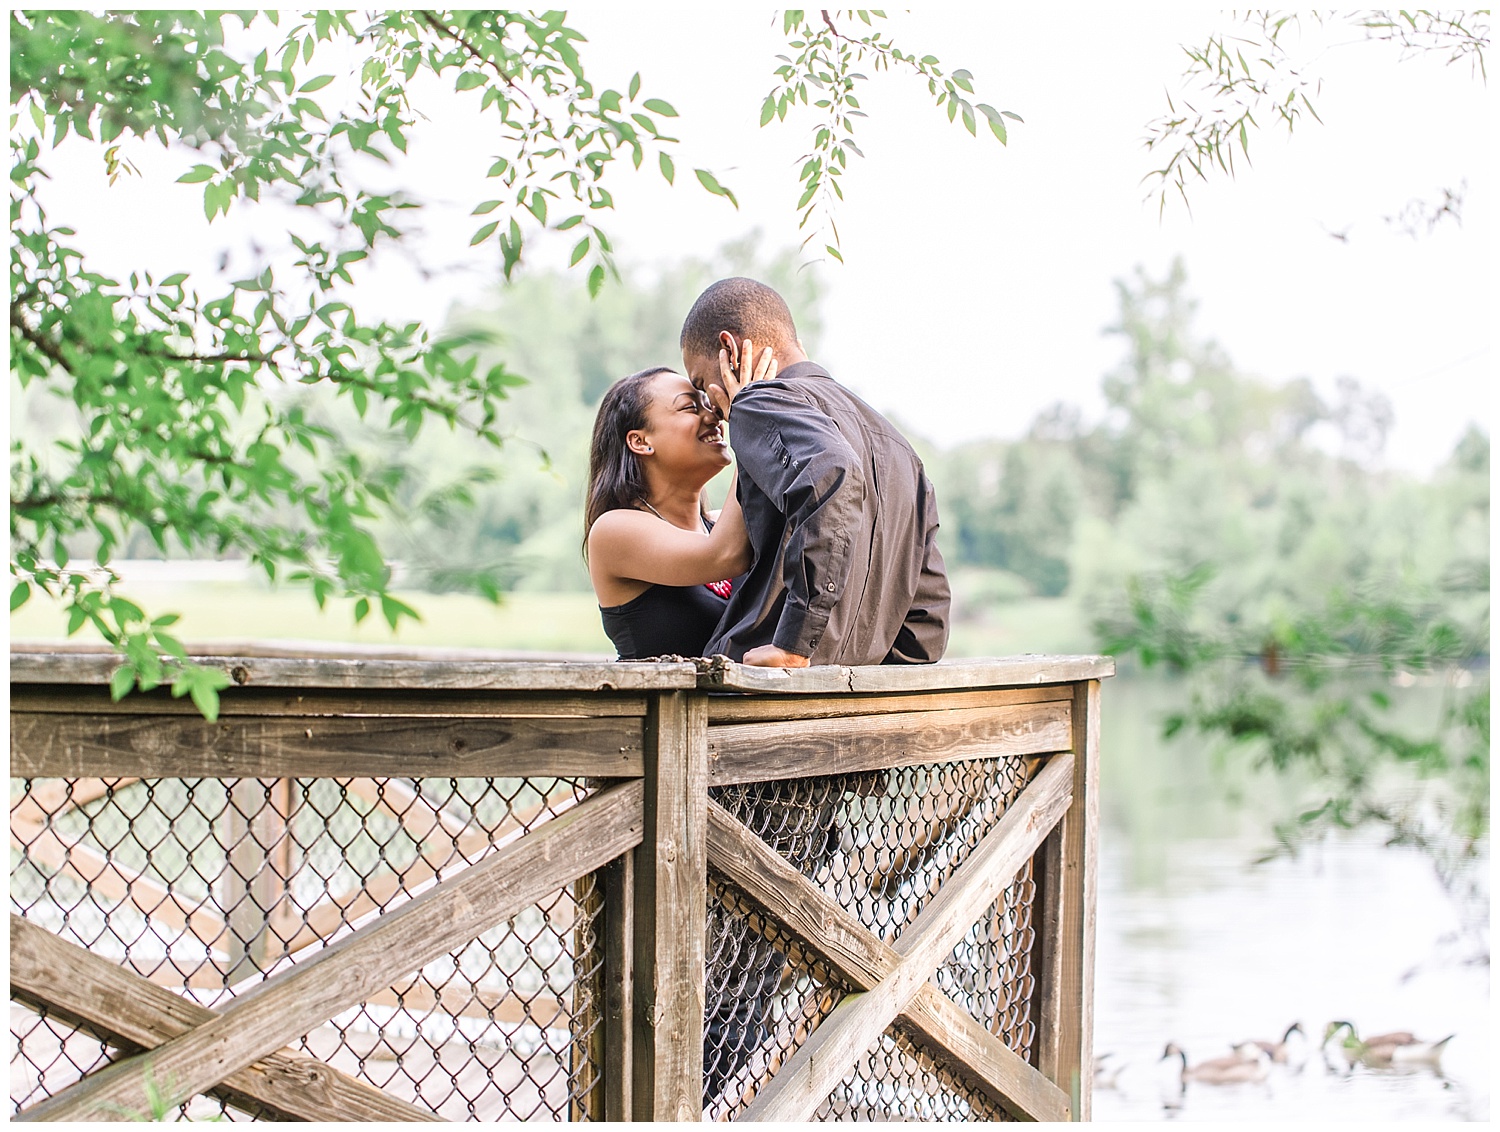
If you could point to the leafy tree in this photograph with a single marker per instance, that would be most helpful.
(1302, 592)
(188, 411)
(1253, 76)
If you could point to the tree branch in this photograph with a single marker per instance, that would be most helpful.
(437, 25)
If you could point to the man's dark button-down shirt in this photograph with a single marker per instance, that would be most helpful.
(843, 525)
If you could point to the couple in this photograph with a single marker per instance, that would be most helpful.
(825, 551)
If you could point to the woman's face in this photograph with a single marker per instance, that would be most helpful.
(682, 428)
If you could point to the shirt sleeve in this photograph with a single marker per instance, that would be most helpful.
(796, 455)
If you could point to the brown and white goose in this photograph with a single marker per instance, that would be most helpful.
(1399, 1049)
(1247, 1069)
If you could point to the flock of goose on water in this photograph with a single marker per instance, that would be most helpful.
(1252, 1060)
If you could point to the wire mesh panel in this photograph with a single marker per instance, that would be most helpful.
(881, 844)
(207, 886)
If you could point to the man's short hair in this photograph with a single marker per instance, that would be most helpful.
(743, 307)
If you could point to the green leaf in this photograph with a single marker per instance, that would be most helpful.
(315, 84)
(580, 250)
(121, 681)
(768, 109)
(965, 80)
(668, 169)
(206, 699)
(176, 280)
(19, 595)
(484, 233)
(711, 183)
(394, 610)
(469, 80)
(596, 280)
(635, 85)
(657, 106)
(196, 174)
(361, 609)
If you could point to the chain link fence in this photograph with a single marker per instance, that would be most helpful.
(880, 844)
(207, 886)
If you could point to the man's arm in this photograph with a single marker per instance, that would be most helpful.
(798, 457)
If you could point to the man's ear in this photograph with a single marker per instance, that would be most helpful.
(636, 441)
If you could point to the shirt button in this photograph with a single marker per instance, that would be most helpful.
(831, 587)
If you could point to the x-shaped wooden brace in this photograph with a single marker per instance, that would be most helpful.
(893, 982)
(215, 1046)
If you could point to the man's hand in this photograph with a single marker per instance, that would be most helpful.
(769, 656)
(737, 371)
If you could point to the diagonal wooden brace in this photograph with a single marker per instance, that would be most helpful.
(121, 1007)
(896, 978)
(441, 920)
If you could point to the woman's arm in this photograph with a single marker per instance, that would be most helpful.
(630, 545)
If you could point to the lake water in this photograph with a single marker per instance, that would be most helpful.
(1199, 946)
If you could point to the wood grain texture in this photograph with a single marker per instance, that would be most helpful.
(350, 672)
(834, 942)
(670, 872)
(752, 752)
(94, 699)
(125, 1009)
(830, 1053)
(108, 746)
(617, 883)
(732, 707)
(722, 674)
(442, 919)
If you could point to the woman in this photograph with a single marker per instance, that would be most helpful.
(659, 560)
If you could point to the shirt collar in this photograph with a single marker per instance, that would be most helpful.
(803, 369)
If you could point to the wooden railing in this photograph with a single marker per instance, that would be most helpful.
(419, 888)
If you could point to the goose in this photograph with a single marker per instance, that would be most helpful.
(1290, 1051)
(1247, 1069)
(1397, 1049)
(1107, 1070)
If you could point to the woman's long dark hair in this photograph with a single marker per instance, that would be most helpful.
(616, 478)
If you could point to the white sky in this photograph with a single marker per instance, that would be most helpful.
(978, 278)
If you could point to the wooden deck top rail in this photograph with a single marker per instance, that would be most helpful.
(641, 849)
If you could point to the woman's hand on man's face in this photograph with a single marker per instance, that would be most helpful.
(737, 369)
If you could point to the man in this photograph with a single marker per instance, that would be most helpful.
(842, 523)
(841, 516)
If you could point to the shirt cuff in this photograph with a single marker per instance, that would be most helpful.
(800, 630)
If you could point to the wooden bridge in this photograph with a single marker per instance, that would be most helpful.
(419, 888)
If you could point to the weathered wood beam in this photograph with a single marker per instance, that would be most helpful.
(617, 884)
(126, 1010)
(95, 700)
(670, 870)
(441, 920)
(764, 708)
(835, 1046)
(754, 752)
(842, 946)
(1066, 985)
(369, 674)
(336, 747)
(722, 674)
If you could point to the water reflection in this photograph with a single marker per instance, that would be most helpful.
(1199, 947)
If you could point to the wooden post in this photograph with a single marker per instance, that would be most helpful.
(1067, 900)
(670, 884)
(617, 881)
(251, 887)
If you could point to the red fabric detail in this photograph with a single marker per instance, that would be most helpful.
(723, 589)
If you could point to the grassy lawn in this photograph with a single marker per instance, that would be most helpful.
(547, 622)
